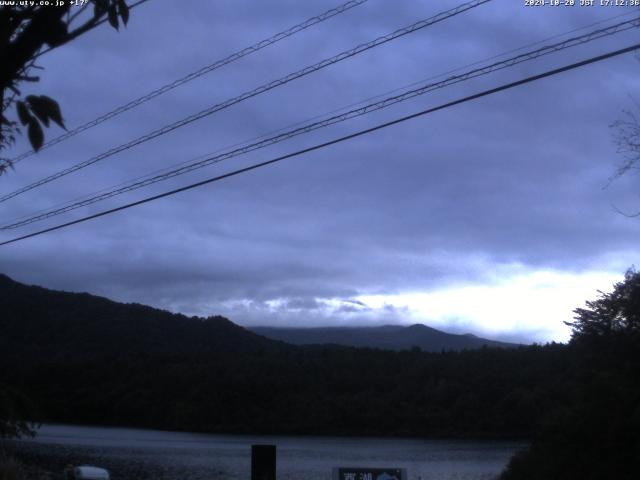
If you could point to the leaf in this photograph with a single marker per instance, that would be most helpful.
(113, 16)
(38, 108)
(36, 137)
(99, 7)
(23, 113)
(56, 33)
(46, 108)
(123, 9)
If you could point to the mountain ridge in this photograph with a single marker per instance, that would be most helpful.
(57, 323)
(53, 322)
(387, 337)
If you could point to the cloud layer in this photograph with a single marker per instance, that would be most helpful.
(434, 220)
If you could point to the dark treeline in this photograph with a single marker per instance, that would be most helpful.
(489, 392)
(593, 430)
(84, 359)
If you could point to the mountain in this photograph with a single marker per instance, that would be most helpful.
(84, 359)
(388, 337)
(53, 324)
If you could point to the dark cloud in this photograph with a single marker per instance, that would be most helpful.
(450, 199)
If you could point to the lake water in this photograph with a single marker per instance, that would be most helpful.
(131, 454)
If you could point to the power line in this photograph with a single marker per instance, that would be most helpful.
(148, 180)
(322, 115)
(263, 88)
(509, 62)
(484, 93)
(193, 75)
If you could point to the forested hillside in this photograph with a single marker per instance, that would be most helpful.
(87, 359)
(41, 323)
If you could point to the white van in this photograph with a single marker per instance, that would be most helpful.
(85, 472)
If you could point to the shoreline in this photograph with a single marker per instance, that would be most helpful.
(135, 454)
(344, 435)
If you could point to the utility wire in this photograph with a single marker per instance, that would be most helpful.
(381, 126)
(331, 112)
(263, 88)
(322, 115)
(193, 75)
(149, 179)
(510, 62)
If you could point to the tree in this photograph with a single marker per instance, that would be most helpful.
(613, 313)
(626, 136)
(16, 414)
(27, 31)
(595, 432)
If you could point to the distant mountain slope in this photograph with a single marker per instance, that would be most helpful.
(388, 337)
(52, 324)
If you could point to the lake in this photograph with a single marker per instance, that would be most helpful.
(131, 454)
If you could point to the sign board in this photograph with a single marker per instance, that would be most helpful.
(263, 462)
(364, 473)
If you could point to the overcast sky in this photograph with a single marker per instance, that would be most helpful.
(489, 217)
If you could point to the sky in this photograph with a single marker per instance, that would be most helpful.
(494, 217)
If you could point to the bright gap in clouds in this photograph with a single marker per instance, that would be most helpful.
(514, 304)
(524, 306)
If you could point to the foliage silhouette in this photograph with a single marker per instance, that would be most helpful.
(16, 414)
(595, 432)
(26, 28)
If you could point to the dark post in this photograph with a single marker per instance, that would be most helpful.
(263, 462)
